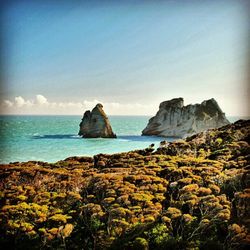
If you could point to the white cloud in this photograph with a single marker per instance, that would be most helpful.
(41, 100)
(7, 103)
(20, 102)
(41, 105)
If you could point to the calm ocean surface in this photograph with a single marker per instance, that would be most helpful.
(53, 138)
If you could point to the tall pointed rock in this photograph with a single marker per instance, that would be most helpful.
(96, 124)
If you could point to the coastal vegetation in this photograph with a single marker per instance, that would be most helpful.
(188, 194)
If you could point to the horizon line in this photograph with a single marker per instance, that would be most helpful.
(231, 115)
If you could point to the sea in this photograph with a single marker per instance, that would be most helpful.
(54, 138)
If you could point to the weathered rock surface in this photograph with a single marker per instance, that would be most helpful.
(176, 120)
(96, 124)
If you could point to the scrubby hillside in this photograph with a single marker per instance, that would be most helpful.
(191, 194)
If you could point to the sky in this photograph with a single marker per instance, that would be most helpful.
(128, 55)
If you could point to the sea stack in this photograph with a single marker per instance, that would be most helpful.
(96, 124)
(176, 120)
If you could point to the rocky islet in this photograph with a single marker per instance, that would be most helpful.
(96, 124)
(176, 120)
(172, 120)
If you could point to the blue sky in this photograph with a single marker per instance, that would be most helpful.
(130, 56)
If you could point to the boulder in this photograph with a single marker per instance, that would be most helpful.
(176, 120)
(96, 124)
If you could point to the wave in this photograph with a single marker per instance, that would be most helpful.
(38, 135)
(76, 136)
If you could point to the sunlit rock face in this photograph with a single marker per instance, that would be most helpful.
(176, 120)
(96, 124)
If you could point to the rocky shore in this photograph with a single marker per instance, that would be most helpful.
(188, 194)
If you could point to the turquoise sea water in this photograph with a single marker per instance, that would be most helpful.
(53, 138)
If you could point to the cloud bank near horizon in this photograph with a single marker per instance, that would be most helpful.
(41, 105)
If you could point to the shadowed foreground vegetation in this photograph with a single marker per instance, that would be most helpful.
(189, 194)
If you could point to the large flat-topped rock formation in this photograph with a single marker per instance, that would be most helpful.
(176, 120)
(96, 124)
